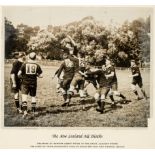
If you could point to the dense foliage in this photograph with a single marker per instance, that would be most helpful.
(130, 40)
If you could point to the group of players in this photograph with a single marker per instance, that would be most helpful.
(75, 73)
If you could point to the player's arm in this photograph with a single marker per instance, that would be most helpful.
(83, 74)
(21, 71)
(13, 80)
(55, 73)
(112, 69)
(72, 41)
(95, 72)
(13, 71)
(59, 71)
(136, 73)
(40, 75)
(73, 58)
(110, 75)
(39, 72)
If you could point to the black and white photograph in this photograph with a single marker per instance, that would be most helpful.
(77, 66)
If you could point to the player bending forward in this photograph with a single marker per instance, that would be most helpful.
(29, 73)
(103, 89)
(136, 79)
(15, 81)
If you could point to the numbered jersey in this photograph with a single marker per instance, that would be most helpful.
(68, 68)
(30, 71)
(82, 64)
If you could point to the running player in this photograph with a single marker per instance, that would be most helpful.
(68, 68)
(112, 82)
(78, 78)
(29, 73)
(59, 79)
(136, 79)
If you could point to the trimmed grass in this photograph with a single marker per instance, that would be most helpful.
(51, 114)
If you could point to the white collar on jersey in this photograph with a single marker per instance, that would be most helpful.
(31, 61)
(108, 66)
(20, 59)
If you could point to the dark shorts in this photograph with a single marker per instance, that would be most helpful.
(29, 89)
(92, 80)
(78, 80)
(17, 88)
(66, 83)
(137, 82)
(114, 86)
(60, 82)
(103, 90)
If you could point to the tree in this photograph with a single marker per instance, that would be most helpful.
(10, 38)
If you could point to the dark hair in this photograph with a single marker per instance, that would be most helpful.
(135, 61)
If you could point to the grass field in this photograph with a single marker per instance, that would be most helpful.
(51, 114)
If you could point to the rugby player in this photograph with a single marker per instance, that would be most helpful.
(136, 80)
(68, 68)
(29, 72)
(103, 89)
(59, 79)
(111, 77)
(79, 75)
(15, 81)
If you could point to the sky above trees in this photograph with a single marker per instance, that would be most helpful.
(44, 16)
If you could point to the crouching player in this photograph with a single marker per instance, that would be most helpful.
(136, 79)
(29, 73)
(15, 81)
(112, 82)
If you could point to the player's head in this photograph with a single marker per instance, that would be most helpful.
(65, 55)
(70, 48)
(22, 56)
(133, 62)
(68, 45)
(32, 56)
(108, 61)
(81, 54)
(103, 67)
(19, 55)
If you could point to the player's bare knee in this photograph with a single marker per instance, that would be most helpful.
(58, 86)
(71, 89)
(133, 87)
(24, 98)
(116, 93)
(102, 97)
(97, 96)
(16, 96)
(33, 99)
(81, 92)
(110, 93)
(63, 91)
